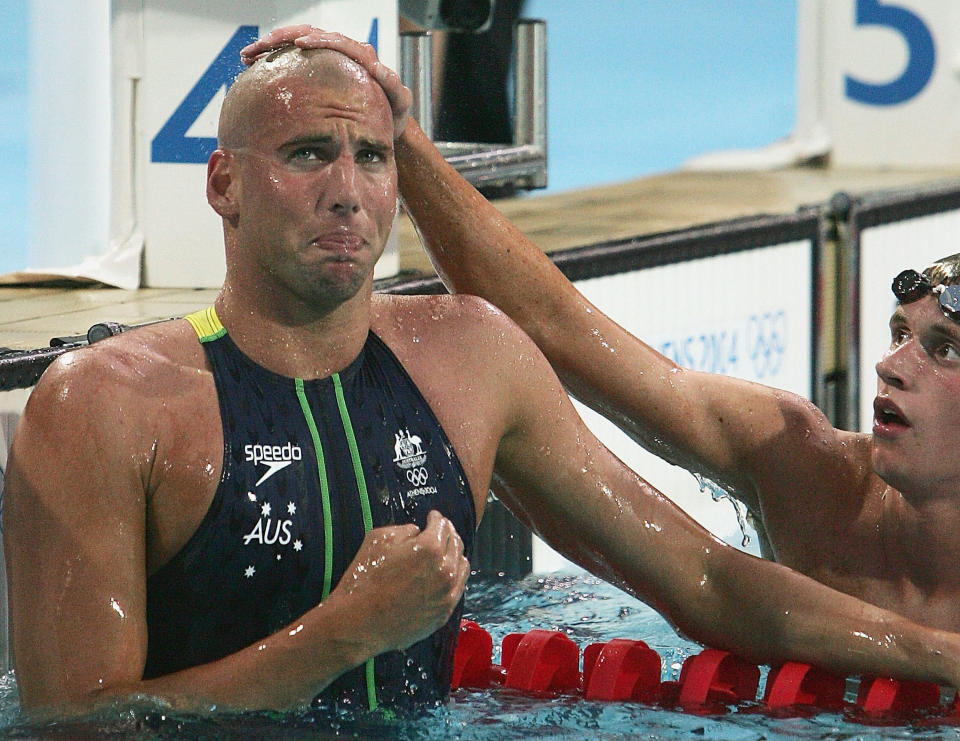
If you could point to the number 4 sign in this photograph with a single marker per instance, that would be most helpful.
(171, 144)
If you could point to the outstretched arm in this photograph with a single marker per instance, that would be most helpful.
(85, 466)
(592, 508)
(724, 427)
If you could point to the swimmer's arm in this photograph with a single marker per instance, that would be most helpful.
(74, 538)
(716, 425)
(593, 509)
(75, 508)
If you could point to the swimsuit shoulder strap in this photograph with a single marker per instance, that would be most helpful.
(206, 324)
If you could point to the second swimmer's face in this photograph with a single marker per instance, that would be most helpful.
(916, 428)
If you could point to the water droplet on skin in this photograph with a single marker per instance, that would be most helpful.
(117, 608)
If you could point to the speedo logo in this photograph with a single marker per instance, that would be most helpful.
(274, 457)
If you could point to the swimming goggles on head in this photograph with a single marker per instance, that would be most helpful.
(912, 286)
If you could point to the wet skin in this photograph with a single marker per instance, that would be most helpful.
(917, 408)
(316, 187)
(119, 450)
(812, 487)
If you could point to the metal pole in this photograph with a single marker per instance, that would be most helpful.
(530, 89)
(843, 211)
(416, 71)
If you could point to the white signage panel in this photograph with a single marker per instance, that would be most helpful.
(189, 57)
(745, 314)
(884, 76)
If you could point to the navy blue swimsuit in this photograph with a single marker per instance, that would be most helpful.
(308, 468)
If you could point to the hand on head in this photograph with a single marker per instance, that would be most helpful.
(306, 36)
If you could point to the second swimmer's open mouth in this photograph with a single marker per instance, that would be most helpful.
(888, 414)
(889, 417)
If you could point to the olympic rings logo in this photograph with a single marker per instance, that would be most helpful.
(417, 476)
(767, 342)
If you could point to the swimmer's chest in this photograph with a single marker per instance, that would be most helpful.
(304, 469)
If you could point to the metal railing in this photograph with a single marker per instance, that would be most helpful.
(522, 164)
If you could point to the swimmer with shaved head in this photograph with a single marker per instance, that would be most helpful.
(272, 502)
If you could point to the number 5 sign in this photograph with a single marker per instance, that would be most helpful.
(190, 54)
(881, 78)
(920, 52)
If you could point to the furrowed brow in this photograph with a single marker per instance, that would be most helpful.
(377, 145)
(311, 140)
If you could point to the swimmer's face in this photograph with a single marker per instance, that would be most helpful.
(314, 177)
(916, 430)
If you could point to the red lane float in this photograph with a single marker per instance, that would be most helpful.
(541, 661)
(795, 684)
(472, 661)
(712, 678)
(880, 695)
(621, 670)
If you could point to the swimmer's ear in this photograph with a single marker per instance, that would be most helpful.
(220, 184)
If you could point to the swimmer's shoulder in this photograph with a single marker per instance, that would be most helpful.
(442, 338)
(455, 320)
(140, 362)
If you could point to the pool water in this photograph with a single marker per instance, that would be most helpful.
(587, 609)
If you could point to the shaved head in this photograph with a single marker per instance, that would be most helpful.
(304, 176)
(258, 90)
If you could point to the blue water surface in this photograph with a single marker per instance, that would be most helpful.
(588, 610)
